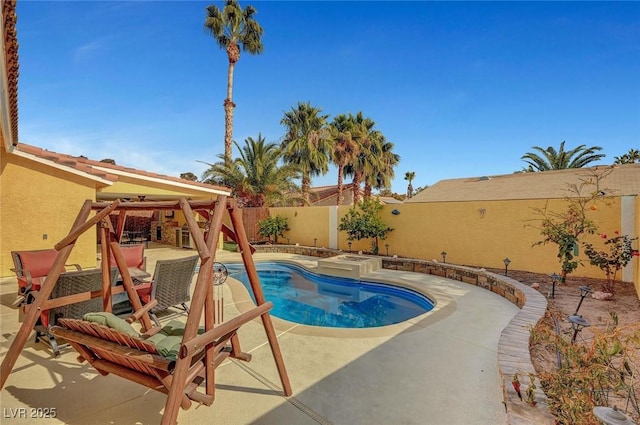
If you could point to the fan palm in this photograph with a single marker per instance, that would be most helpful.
(630, 157)
(409, 176)
(256, 178)
(366, 162)
(381, 170)
(345, 149)
(233, 28)
(307, 143)
(550, 159)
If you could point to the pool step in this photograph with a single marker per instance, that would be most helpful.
(352, 266)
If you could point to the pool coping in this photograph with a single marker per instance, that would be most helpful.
(513, 346)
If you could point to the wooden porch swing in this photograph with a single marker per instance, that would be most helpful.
(110, 351)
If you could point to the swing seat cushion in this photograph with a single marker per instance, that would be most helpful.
(167, 341)
(112, 321)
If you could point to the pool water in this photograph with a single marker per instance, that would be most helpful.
(318, 300)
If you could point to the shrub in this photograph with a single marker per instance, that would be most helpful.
(273, 226)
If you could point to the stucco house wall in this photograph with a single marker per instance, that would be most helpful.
(38, 207)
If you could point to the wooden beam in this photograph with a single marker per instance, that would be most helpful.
(80, 229)
(194, 229)
(254, 280)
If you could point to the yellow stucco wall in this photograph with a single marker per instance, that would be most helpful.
(636, 260)
(306, 223)
(477, 234)
(37, 200)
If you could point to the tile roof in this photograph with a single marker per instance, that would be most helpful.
(102, 171)
(618, 180)
(11, 62)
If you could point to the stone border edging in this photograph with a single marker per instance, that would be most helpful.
(513, 346)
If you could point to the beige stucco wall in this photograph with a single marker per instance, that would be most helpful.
(636, 260)
(479, 233)
(306, 223)
(38, 200)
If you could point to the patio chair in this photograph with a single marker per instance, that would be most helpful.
(134, 257)
(170, 285)
(69, 283)
(31, 267)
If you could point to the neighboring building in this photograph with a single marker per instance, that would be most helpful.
(328, 196)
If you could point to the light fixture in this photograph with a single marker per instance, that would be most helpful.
(611, 416)
(584, 291)
(395, 212)
(506, 262)
(387, 246)
(554, 279)
(577, 323)
(315, 242)
(444, 256)
(349, 245)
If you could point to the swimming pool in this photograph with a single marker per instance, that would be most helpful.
(318, 300)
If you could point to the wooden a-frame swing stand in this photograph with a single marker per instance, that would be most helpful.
(179, 385)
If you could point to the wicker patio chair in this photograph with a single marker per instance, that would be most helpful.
(170, 285)
(69, 283)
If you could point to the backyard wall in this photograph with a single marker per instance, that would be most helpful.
(478, 233)
(27, 216)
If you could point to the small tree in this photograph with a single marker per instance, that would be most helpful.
(565, 228)
(273, 226)
(363, 221)
(619, 255)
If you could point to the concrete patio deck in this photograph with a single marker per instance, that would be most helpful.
(439, 368)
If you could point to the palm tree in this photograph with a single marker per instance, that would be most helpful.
(381, 170)
(551, 160)
(256, 178)
(233, 28)
(345, 149)
(365, 135)
(409, 176)
(307, 143)
(630, 157)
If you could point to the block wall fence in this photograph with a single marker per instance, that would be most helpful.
(475, 233)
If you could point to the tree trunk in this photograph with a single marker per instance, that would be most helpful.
(409, 190)
(340, 186)
(367, 190)
(306, 185)
(233, 52)
(356, 187)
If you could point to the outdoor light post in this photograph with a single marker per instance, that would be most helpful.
(584, 291)
(611, 416)
(387, 246)
(315, 242)
(506, 262)
(577, 323)
(444, 256)
(349, 245)
(554, 279)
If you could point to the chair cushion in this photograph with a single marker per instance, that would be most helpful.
(112, 321)
(169, 339)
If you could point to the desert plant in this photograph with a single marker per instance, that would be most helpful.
(273, 226)
(620, 254)
(600, 372)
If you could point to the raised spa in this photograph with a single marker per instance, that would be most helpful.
(319, 300)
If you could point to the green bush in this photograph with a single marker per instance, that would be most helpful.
(273, 227)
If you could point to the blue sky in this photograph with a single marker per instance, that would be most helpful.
(461, 89)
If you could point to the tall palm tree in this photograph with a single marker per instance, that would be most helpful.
(382, 169)
(345, 149)
(409, 176)
(630, 157)
(307, 143)
(233, 28)
(559, 160)
(256, 178)
(365, 135)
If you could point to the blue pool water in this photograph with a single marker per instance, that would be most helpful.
(318, 300)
